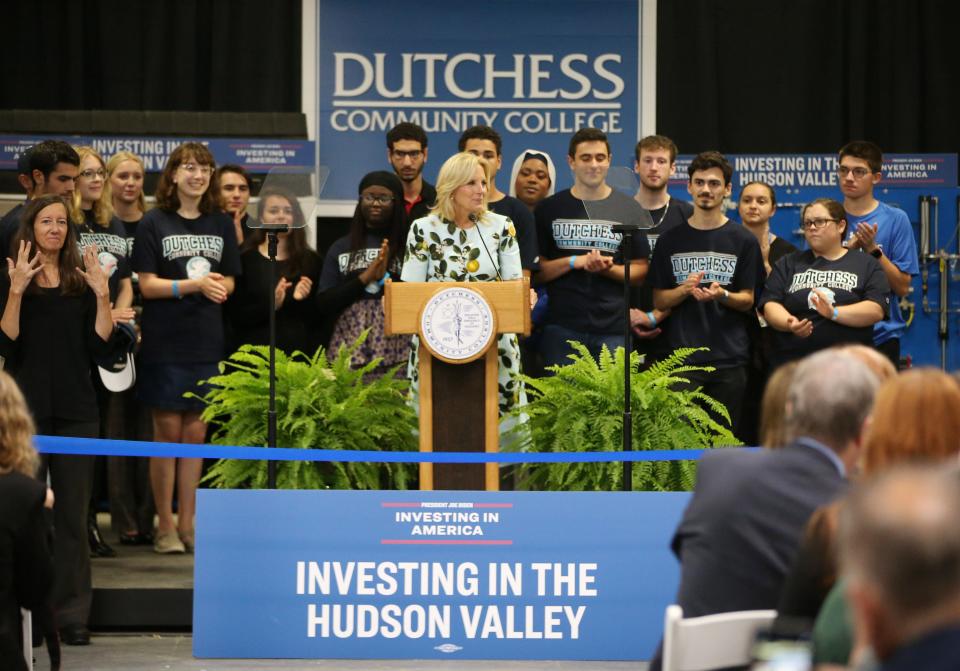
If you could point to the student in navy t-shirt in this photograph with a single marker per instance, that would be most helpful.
(186, 257)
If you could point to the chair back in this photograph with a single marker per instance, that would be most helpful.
(711, 641)
(27, 619)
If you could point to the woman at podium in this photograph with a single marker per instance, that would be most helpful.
(462, 241)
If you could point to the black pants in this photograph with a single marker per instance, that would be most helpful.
(71, 477)
(727, 386)
(891, 350)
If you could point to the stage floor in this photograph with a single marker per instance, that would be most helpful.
(173, 652)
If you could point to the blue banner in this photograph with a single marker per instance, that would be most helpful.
(428, 575)
(257, 155)
(535, 71)
(796, 171)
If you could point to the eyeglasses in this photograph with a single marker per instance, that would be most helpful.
(859, 173)
(414, 154)
(192, 168)
(90, 173)
(814, 224)
(369, 199)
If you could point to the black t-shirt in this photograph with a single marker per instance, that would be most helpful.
(526, 232)
(51, 358)
(340, 284)
(297, 322)
(778, 249)
(428, 196)
(112, 248)
(852, 278)
(728, 255)
(9, 226)
(580, 300)
(130, 232)
(190, 328)
(671, 215)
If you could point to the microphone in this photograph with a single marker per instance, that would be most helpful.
(472, 217)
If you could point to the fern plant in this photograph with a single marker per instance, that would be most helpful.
(320, 403)
(580, 409)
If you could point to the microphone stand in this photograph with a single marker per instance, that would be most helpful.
(272, 394)
(627, 231)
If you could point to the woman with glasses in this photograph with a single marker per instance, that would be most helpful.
(91, 216)
(298, 269)
(355, 268)
(186, 257)
(825, 295)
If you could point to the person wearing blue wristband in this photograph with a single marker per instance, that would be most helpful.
(581, 262)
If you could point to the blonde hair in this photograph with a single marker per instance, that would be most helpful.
(112, 166)
(16, 430)
(773, 407)
(455, 172)
(101, 209)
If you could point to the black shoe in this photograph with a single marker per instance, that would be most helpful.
(74, 634)
(98, 547)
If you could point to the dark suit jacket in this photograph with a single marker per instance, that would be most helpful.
(743, 526)
(26, 568)
(935, 651)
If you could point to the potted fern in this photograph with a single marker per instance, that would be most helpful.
(580, 409)
(321, 402)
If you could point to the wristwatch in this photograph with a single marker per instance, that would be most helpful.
(877, 253)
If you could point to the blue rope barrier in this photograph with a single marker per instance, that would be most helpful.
(132, 448)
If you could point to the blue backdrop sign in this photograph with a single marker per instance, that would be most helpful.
(535, 71)
(421, 575)
(257, 155)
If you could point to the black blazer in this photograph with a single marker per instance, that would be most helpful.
(26, 566)
(743, 526)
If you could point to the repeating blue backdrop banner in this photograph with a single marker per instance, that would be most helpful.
(255, 154)
(536, 71)
(426, 575)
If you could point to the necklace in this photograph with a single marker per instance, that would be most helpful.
(666, 208)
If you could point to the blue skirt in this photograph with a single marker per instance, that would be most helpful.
(162, 385)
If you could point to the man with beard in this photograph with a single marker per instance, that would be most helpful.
(407, 153)
(656, 162)
(707, 273)
(50, 167)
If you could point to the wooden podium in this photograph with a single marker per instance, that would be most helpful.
(458, 324)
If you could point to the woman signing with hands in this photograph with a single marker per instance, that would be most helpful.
(56, 320)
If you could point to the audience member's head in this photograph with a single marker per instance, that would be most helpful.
(881, 366)
(830, 399)
(16, 430)
(900, 553)
(915, 418)
(235, 187)
(533, 177)
(23, 172)
(773, 407)
(54, 166)
(407, 150)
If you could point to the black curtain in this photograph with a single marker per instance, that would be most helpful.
(747, 76)
(183, 55)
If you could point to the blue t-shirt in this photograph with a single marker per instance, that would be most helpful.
(895, 239)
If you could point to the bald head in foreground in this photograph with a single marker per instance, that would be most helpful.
(900, 551)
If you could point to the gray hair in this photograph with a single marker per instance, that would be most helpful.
(830, 397)
(899, 534)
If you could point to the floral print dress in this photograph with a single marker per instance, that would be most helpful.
(438, 251)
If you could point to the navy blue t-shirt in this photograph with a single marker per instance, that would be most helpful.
(526, 231)
(728, 255)
(187, 329)
(580, 300)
